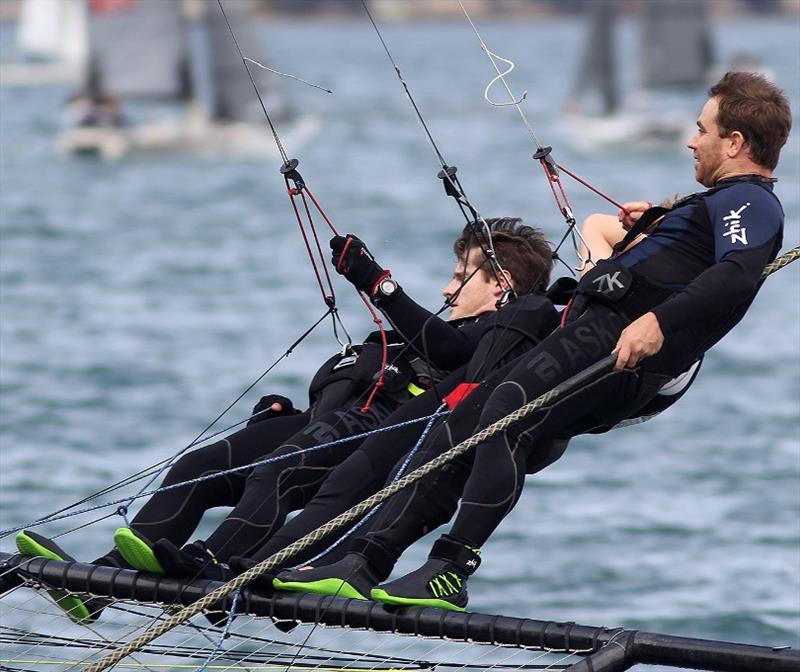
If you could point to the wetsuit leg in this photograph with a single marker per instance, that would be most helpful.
(273, 490)
(175, 514)
(498, 471)
(359, 476)
(430, 502)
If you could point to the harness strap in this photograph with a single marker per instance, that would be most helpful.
(650, 216)
(459, 393)
(466, 559)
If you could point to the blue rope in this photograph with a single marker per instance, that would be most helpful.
(398, 474)
(225, 633)
(125, 500)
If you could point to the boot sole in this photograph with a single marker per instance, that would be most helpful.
(73, 605)
(136, 552)
(334, 587)
(382, 596)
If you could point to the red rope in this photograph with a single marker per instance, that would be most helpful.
(322, 212)
(593, 188)
(319, 247)
(346, 247)
(551, 180)
(293, 192)
(384, 353)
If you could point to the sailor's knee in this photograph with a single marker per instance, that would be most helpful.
(194, 464)
(506, 398)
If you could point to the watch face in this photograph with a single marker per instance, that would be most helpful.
(388, 286)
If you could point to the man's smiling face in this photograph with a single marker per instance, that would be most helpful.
(708, 147)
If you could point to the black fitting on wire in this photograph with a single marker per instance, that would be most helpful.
(289, 170)
(543, 154)
(448, 176)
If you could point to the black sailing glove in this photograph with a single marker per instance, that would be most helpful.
(352, 259)
(263, 409)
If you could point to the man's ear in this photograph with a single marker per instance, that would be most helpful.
(737, 144)
(503, 283)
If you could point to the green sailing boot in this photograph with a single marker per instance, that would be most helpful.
(137, 550)
(79, 608)
(441, 582)
(350, 577)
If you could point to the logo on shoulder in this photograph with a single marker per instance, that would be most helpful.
(606, 284)
(733, 226)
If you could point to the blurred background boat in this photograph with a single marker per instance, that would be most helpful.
(153, 76)
(676, 57)
(52, 41)
(178, 57)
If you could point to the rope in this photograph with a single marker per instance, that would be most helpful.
(125, 501)
(255, 88)
(400, 471)
(351, 514)
(448, 173)
(783, 260)
(564, 388)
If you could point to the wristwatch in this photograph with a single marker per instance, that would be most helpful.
(386, 288)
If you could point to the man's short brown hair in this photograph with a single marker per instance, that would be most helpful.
(519, 249)
(758, 109)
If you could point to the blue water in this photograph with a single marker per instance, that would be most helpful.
(138, 299)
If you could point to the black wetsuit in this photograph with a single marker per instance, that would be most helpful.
(433, 500)
(698, 272)
(264, 495)
(512, 331)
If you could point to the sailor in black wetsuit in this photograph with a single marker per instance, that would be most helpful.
(504, 336)
(273, 490)
(659, 305)
(264, 496)
(354, 564)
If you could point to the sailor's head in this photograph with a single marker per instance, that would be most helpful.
(522, 253)
(741, 129)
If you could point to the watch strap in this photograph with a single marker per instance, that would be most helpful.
(386, 274)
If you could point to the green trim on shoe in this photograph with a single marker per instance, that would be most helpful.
(334, 587)
(380, 595)
(73, 605)
(137, 552)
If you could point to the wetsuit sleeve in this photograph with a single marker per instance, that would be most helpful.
(747, 225)
(444, 344)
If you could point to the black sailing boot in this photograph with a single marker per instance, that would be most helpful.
(193, 561)
(80, 608)
(240, 565)
(352, 576)
(441, 582)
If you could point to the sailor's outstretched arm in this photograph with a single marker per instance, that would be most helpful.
(442, 343)
(599, 234)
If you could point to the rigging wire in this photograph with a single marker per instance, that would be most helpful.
(275, 137)
(159, 467)
(297, 187)
(543, 153)
(448, 173)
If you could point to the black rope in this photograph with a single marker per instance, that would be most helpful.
(255, 88)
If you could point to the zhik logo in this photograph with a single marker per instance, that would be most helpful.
(733, 224)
